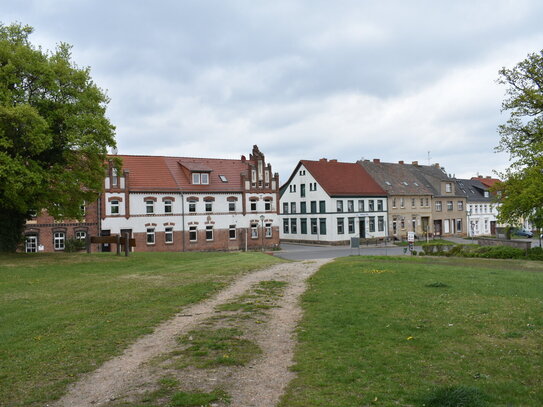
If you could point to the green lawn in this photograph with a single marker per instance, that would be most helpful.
(389, 332)
(65, 314)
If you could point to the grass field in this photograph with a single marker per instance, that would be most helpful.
(62, 315)
(395, 332)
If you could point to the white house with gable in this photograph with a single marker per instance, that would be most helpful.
(330, 202)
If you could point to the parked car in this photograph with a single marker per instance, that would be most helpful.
(523, 233)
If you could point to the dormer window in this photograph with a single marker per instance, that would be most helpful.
(448, 187)
(223, 178)
(200, 178)
(114, 177)
(486, 194)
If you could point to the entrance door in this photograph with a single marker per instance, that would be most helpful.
(437, 228)
(31, 244)
(106, 247)
(493, 227)
(362, 228)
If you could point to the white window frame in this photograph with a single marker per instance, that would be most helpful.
(81, 235)
(168, 235)
(231, 206)
(31, 244)
(209, 206)
(232, 228)
(149, 206)
(168, 206)
(209, 229)
(59, 240)
(115, 207)
(269, 231)
(204, 178)
(254, 230)
(196, 178)
(193, 229)
(150, 237)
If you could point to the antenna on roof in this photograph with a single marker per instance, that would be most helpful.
(429, 158)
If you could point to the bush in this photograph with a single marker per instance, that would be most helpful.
(455, 396)
(500, 252)
(74, 245)
(535, 253)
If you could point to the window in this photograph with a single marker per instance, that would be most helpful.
(393, 202)
(351, 225)
(253, 205)
(448, 187)
(339, 206)
(209, 206)
(314, 230)
(292, 188)
(59, 239)
(232, 232)
(302, 190)
(421, 201)
(81, 235)
(413, 202)
(193, 234)
(414, 223)
(204, 178)
(115, 207)
(192, 206)
(322, 223)
(379, 204)
(168, 235)
(223, 178)
(360, 205)
(372, 224)
(402, 223)
(449, 205)
(149, 206)
(460, 205)
(322, 206)
(209, 232)
(293, 226)
(302, 172)
(303, 207)
(293, 207)
(303, 226)
(285, 226)
(381, 223)
(231, 206)
(168, 206)
(371, 204)
(312, 186)
(340, 228)
(31, 244)
(402, 203)
(285, 207)
(82, 209)
(268, 230)
(196, 178)
(254, 230)
(313, 206)
(438, 206)
(267, 205)
(486, 194)
(150, 235)
(350, 205)
(446, 226)
(114, 177)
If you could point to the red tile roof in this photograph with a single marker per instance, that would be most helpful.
(489, 182)
(338, 178)
(157, 173)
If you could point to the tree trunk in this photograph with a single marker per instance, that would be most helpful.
(11, 229)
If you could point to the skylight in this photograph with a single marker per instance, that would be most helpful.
(405, 183)
(388, 183)
(414, 183)
(223, 178)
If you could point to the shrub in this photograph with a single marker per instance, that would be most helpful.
(500, 252)
(535, 253)
(74, 245)
(455, 396)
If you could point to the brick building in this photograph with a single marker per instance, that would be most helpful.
(192, 204)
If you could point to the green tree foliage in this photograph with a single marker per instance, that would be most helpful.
(521, 191)
(54, 135)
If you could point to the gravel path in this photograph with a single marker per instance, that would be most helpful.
(261, 383)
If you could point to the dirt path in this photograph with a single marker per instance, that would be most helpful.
(260, 383)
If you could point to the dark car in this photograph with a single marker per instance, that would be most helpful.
(523, 233)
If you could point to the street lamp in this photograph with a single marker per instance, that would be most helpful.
(262, 220)
(469, 224)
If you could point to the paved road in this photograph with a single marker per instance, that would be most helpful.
(310, 252)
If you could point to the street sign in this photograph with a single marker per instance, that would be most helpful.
(411, 237)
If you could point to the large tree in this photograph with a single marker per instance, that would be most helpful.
(521, 192)
(54, 135)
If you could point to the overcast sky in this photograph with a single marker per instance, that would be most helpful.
(302, 79)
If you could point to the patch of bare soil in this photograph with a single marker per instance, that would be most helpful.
(259, 382)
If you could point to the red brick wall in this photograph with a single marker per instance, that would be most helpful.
(44, 227)
(221, 241)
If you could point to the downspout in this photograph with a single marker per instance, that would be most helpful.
(183, 220)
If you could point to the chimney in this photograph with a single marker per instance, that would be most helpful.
(400, 162)
(376, 160)
(243, 159)
(488, 177)
(334, 160)
(323, 160)
(437, 165)
(415, 163)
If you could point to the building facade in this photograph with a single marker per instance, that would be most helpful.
(409, 201)
(481, 211)
(329, 202)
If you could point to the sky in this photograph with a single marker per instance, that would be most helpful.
(303, 79)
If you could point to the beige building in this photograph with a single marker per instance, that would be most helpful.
(409, 200)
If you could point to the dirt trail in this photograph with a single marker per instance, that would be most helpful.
(261, 383)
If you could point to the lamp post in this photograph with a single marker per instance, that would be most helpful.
(262, 220)
(469, 224)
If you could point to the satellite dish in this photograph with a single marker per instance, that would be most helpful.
(114, 151)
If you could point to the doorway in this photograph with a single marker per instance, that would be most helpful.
(362, 228)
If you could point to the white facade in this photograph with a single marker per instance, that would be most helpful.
(481, 217)
(308, 213)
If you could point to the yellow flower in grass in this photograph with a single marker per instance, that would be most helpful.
(410, 338)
